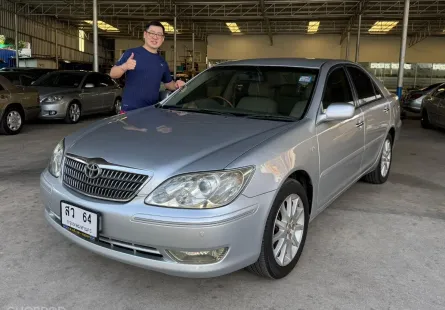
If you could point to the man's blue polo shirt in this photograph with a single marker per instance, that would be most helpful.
(142, 84)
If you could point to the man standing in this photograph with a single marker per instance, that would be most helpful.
(145, 69)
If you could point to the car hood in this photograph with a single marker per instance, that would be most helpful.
(48, 91)
(171, 141)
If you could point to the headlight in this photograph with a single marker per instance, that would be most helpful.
(55, 163)
(53, 98)
(202, 190)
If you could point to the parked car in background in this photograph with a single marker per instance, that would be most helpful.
(227, 172)
(17, 105)
(433, 108)
(70, 94)
(19, 78)
(412, 101)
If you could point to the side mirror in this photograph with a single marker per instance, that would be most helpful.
(164, 94)
(337, 112)
(89, 85)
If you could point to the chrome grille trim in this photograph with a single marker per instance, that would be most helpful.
(135, 248)
(116, 183)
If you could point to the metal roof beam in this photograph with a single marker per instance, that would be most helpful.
(266, 20)
(361, 7)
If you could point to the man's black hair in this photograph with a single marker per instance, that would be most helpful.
(157, 24)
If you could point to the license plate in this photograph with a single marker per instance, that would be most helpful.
(82, 222)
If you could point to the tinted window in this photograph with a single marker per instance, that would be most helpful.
(337, 89)
(94, 79)
(440, 92)
(431, 87)
(105, 80)
(363, 85)
(60, 79)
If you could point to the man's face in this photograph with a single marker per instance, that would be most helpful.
(154, 37)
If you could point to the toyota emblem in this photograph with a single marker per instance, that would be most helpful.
(92, 171)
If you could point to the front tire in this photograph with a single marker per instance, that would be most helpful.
(117, 106)
(73, 113)
(285, 232)
(12, 121)
(381, 173)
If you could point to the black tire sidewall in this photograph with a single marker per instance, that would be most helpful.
(425, 121)
(4, 125)
(289, 187)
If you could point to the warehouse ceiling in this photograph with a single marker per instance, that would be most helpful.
(127, 18)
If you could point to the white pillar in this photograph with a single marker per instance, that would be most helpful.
(403, 50)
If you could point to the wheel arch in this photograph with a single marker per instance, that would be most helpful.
(18, 106)
(304, 178)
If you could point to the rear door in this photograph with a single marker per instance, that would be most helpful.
(107, 89)
(376, 113)
(91, 96)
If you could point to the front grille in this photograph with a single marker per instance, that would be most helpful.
(111, 184)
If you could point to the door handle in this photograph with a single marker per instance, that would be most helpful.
(360, 124)
(386, 109)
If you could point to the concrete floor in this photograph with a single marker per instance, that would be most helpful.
(377, 247)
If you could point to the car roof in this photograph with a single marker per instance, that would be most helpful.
(314, 63)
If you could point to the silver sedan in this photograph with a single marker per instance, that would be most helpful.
(69, 95)
(226, 173)
(433, 108)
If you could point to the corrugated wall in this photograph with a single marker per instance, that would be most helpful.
(40, 32)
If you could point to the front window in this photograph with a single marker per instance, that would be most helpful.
(60, 79)
(281, 93)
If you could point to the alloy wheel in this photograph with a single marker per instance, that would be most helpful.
(74, 112)
(386, 158)
(288, 230)
(14, 120)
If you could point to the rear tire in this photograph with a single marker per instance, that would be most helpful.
(12, 121)
(381, 173)
(73, 113)
(283, 232)
(425, 121)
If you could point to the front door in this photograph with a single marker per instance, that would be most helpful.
(376, 114)
(341, 143)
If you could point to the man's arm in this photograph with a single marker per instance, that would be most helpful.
(169, 83)
(125, 63)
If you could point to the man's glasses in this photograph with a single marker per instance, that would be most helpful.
(154, 35)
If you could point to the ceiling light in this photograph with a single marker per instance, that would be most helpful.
(233, 27)
(103, 26)
(169, 28)
(382, 26)
(312, 27)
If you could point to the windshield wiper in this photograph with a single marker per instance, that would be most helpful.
(272, 117)
(206, 111)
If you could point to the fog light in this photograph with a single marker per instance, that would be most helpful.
(200, 257)
(52, 112)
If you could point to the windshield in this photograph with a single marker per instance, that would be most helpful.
(431, 87)
(60, 79)
(281, 93)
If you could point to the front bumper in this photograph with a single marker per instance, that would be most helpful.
(53, 110)
(140, 235)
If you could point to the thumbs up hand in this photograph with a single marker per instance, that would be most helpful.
(130, 64)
